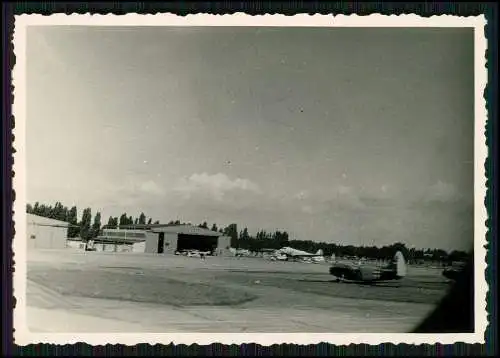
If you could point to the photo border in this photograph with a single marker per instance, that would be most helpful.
(491, 15)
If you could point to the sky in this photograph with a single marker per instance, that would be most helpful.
(349, 135)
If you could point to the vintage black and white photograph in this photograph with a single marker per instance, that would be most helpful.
(190, 179)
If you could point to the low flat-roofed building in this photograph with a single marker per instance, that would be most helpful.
(45, 233)
(117, 240)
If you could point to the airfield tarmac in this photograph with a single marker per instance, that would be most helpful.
(76, 291)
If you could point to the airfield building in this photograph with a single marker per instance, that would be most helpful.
(45, 233)
(115, 240)
(163, 239)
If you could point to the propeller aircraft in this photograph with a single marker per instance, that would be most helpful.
(370, 273)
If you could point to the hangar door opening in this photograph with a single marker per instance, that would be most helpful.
(196, 242)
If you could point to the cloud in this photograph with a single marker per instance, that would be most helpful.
(442, 192)
(337, 198)
(301, 195)
(132, 190)
(216, 185)
(307, 209)
(150, 187)
(344, 190)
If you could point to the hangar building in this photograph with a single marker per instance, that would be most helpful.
(45, 233)
(164, 239)
(170, 239)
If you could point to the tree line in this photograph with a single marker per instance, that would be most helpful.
(275, 240)
(87, 229)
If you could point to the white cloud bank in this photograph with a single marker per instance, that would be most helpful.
(151, 187)
(216, 185)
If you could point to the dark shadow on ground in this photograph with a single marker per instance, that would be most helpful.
(455, 313)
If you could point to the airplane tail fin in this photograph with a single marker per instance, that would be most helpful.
(320, 252)
(400, 263)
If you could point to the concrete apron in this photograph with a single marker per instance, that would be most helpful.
(49, 311)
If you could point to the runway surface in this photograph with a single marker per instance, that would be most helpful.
(75, 291)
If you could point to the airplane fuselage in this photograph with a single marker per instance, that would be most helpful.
(363, 274)
(370, 273)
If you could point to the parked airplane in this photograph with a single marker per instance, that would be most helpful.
(287, 253)
(370, 273)
(197, 253)
(239, 252)
(278, 256)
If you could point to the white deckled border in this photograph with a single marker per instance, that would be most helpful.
(23, 336)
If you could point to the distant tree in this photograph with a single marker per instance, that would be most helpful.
(263, 235)
(439, 255)
(85, 228)
(109, 224)
(244, 234)
(457, 255)
(96, 226)
(65, 214)
(53, 211)
(72, 219)
(123, 220)
(281, 238)
(45, 211)
(204, 225)
(40, 209)
(36, 208)
(58, 212)
(232, 231)
(262, 239)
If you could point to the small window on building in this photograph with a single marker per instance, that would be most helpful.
(32, 237)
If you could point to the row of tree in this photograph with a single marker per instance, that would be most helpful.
(87, 228)
(58, 212)
(278, 239)
(115, 222)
